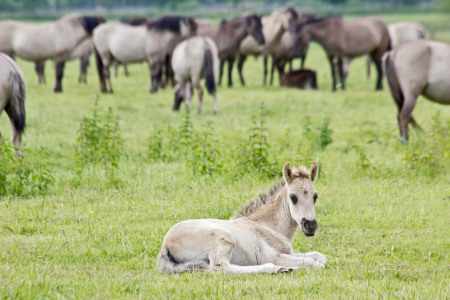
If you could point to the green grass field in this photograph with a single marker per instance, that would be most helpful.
(383, 208)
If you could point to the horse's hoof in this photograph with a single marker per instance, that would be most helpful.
(57, 90)
(216, 112)
(402, 139)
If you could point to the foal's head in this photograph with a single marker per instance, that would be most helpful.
(253, 27)
(301, 196)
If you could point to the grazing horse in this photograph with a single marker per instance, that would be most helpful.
(82, 51)
(129, 44)
(256, 240)
(342, 38)
(228, 35)
(416, 68)
(193, 59)
(51, 40)
(12, 98)
(274, 26)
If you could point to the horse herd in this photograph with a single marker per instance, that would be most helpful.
(184, 50)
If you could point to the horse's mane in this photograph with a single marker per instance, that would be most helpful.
(90, 23)
(283, 10)
(241, 19)
(135, 21)
(261, 200)
(323, 19)
(170, 23)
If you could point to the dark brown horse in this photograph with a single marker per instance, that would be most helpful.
(348, 39)
(228, 35)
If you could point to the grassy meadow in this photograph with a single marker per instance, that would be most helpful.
(91, 228)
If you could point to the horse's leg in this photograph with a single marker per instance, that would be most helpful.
(368, 65)
(274, 61)
(39, 67)
(125, 70)
(240, 66)
(59, 69)
(302, 65)
(292, 261)
(280, 67)
(198, 87)
(116, 68)
(17, 135)
(290, 64)
(230, 71)
(377, 60)
(220, 255)
(333, 74)
(222, 62)
(341, 72)
(404, 115)
(155, 70)
(317, 256)
(265, 69)
(187, 93)
(84, 62)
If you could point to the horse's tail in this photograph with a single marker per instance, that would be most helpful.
(101, 75)
(209, 71)
(391, 75)
(16, 106)
(167, 264)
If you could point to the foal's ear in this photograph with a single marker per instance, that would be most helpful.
(287, 173)
(314, 171)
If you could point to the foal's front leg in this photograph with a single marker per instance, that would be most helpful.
(317, 256)
(290, 261)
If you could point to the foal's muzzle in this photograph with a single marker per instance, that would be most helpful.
(309, 227)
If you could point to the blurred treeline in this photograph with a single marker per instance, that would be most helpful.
(214, 8)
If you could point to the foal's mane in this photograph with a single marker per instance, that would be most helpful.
(320, 20)
(170, 23)
(261, 200)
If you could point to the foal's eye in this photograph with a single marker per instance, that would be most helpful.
(294, 198)
(315, 197)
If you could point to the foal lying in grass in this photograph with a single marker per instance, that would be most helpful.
(257, 240)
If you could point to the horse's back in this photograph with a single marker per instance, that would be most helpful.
(405, 31)
(422, 68)
(365, 35)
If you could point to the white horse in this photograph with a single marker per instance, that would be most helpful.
(12, 97)
(193, 59)
(257, 240)
(50, 40)
(149, 42)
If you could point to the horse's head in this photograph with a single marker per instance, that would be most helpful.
(188, 26)
(301, 196)
(179, 97)
(90, 23)
(287, 16)
(254, 28)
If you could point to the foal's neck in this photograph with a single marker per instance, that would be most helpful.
(277, 216)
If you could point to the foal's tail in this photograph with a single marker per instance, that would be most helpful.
(16, 106)
(391, 75)
(209, 71)
(101, 75)
(167, 264)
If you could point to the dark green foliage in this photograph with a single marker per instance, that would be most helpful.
(99, 141)
(26, 175)
(205, 158)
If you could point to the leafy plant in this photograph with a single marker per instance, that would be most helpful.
(205, 157)
(26, 175)
(99, 141)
